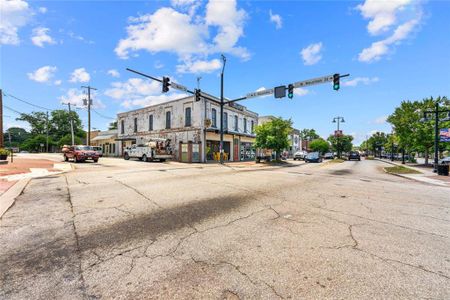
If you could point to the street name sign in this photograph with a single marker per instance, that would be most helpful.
(178, 86)
(313, 81)
(259, 93)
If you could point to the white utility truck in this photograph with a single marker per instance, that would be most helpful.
(155, 149)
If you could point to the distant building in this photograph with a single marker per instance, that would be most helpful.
(107, 140)
(193, 128)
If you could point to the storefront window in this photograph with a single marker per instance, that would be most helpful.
(247, 151)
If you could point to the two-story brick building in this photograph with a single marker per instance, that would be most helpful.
(193, 128)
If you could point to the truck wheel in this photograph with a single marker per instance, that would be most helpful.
(126, 156)
(76, 159)
(162, 160)
(144, 158)
(96, 160)
(66, 158)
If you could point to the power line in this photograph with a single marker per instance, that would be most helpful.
(13, 110)
(27, 102)
(103, 116)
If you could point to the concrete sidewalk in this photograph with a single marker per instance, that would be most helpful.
(426, 174)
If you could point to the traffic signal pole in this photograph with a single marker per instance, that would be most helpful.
(221, 108)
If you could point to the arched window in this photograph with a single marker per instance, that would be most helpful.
(135, 125)
(245, 125)
(236, 125)
(122, 126)
(225, 121)
(187, 117)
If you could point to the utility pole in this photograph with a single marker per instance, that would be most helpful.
(71, 124)
(221, 109)
(89, 102)
(46, 129)
(1, 118)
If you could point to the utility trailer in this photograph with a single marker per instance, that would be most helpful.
(156, 149)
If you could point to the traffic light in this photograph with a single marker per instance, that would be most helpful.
(166, 84)
(336, 82)
(290, 91)
(198, 94)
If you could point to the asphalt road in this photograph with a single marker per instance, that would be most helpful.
(128, 229)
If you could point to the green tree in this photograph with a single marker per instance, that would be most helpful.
(33, 144)
(112, 125)
(18, 136)
(273, 135)
(319, 145)
(377, 141)
(309, 135)
(37, 121)
(67, 140)
(341, 144)
(60, 124)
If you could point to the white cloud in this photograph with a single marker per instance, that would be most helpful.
(188, 5)
(40, 37)
(384, 16)
(42, 9)
(137, 92)
(360, 80)
(311, 54)
(276, 19)
(200, 66)
(187, 34)
(165, 30)
(43, 74)
(114, 73)
(14, 15)
(380, 120)
(301, 92)
(80, 75)
(57, 82)
(380, 48)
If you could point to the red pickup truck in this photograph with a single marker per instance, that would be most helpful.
(80, 153)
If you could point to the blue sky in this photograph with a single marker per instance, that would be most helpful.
(394, 50)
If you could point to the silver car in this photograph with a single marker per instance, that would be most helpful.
(300, 155)
(445, 161)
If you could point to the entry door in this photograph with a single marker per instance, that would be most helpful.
(236, 150)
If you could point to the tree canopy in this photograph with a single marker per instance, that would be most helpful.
(273, 135)
(308, 134)
(341, 144)
(319, 145)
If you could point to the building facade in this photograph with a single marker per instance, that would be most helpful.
(193, 128)
(107, 140)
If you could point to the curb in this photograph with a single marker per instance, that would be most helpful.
(417, 180)
(9, 197)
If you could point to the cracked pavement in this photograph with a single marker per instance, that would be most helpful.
(127, 229)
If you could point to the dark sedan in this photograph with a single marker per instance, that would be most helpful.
(313, 157)
(354, 155)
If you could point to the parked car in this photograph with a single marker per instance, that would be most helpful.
(328, 155)
(354, 155)
(263, 154)
(80, 153)
(99, 150)
(313, 157)
(445, 161)
(300, 155)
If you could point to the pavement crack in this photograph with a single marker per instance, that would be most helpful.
(100, 260)
(77, 241)
(138, 192)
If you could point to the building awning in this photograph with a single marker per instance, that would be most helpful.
(125, 139)
(103, 137)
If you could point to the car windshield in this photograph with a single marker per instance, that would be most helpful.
(313, 155)
(85, 148)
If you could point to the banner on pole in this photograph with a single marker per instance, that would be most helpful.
(444, 135)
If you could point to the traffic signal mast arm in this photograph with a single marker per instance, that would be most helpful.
(308, 82)
(166, 81)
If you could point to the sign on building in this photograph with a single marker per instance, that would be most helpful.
(444, 135)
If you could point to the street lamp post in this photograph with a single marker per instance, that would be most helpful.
(337, 120)
(425, 118)
(221, 108)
